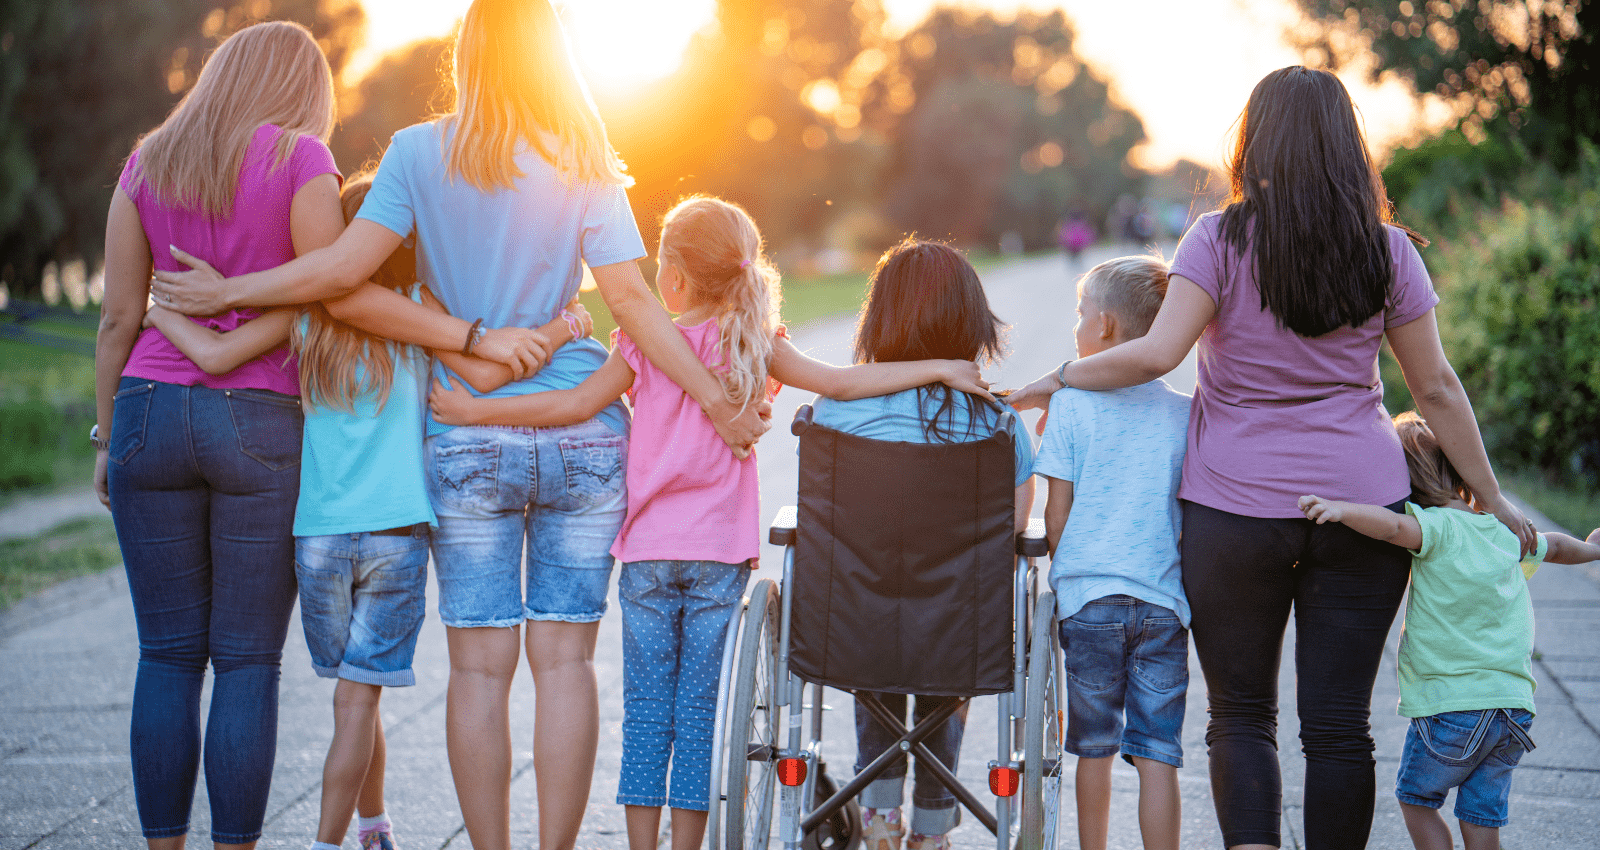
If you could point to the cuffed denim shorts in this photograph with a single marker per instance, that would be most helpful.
(558, 492)
(1127, 657)
(1472, 751)
(362, 601)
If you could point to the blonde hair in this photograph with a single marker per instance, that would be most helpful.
(716, 247)
(1434, 480)
(1131, 288)
(515, 82)
(270, 73)
(331, 351)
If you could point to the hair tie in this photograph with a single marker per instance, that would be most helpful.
(744, 265)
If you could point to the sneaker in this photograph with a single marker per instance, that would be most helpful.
(378, 839)
(880, 833)
(928, 842)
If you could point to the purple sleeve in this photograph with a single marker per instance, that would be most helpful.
(128, 170)
(311, 159)
(1412, 293)
(1199, 256)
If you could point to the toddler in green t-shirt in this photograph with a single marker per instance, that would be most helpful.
(1466, 670)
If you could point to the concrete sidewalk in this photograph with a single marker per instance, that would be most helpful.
(67, 660)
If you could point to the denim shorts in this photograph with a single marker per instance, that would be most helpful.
(362, 601)
(1472, 751)
(558, 492)
(1127, 657)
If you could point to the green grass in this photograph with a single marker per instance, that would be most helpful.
(46, 408)
(805, 299)
(69, 550)
(1576, 510)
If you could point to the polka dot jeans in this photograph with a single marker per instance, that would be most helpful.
(674, 620)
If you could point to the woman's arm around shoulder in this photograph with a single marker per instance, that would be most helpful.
(845, 383)
(547, 409)
(217, 352)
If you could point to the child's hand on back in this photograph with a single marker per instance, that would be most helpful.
(1321, 510)
(450, 406)
(964, 375)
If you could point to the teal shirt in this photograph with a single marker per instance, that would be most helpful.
(362, 470)
(1467, 642)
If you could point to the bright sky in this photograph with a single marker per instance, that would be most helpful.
(1185, 66)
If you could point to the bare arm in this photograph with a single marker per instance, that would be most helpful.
(1057, 507)
(1566, 549)
(219, 353)
(644, 320)
(127, 288)
(535, 410)
(1443, 402)
(486, 375)
(1376, 522)
(793, 367)
(1184, 314)
(1024, 502)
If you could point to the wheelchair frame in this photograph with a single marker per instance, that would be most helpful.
(760, 700)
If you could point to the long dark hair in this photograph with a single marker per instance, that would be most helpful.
(926, 303)
(1308, 204)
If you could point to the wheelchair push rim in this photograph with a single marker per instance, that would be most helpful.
(1041, 773)
(752, 727)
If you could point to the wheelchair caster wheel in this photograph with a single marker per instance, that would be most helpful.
(842, 831)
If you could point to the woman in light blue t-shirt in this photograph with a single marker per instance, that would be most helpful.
(508, 197)
(926, 302)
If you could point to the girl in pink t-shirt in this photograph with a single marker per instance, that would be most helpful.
(693, 517)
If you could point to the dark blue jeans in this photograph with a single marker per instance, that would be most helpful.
(203, 486)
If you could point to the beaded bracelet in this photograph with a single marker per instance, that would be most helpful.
(573, 324)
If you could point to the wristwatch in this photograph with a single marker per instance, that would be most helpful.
(95, 440)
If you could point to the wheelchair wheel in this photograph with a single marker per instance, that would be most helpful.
(840, 832)
(1041, 768)
(753, 726)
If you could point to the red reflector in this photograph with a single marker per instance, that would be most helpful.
(791, 771)
(1004, 781)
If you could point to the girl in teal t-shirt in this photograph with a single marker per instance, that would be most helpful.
(1466, 672)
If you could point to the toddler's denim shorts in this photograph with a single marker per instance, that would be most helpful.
(1471, 751)
(557, 494)
(362, 600)
(1125, 657)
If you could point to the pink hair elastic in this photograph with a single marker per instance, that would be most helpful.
(745, 264)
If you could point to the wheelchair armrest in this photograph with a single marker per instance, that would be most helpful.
(802, 420)
(783, 525)
(1031, 543)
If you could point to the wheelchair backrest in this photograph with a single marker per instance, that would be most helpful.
(904, 560)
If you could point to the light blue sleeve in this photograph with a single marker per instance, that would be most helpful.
(1022, 444)
(389, 201)
(1056, 456)
(610, 234)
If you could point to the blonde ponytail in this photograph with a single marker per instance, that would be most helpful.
(717, 248)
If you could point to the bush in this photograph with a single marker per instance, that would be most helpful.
(1520, 319)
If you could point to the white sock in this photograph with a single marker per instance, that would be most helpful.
(364, 824)
(323, 845)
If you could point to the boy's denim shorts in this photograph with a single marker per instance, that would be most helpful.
(1125, 657)
(1471, 751)
(559, 492)
(362, 600)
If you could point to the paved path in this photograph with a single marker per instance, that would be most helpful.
(67, 660)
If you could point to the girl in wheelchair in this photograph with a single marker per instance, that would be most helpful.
(925, 302)
(693, 520)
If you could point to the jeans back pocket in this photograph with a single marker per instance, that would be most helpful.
(130, 416)
(467, 474)
(268, 425)
(594, 468)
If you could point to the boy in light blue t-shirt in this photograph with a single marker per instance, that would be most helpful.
(1113, 460)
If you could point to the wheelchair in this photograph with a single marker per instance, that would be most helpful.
(881, 531)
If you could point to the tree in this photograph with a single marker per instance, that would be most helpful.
(406, 87)
(82, 81)
(1529, 65)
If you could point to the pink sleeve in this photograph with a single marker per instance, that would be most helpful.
(311, 159)
(1199, 256)
(1411, 294)
(630, 354)
(128, 169)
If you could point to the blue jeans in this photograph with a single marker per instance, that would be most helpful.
(362, 600)
(1127, 657)
(203, 485)
(560, 490)
(933, 807)
(675, 618)
(1473, 752)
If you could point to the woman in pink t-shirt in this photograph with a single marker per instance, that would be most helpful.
(1290, 291)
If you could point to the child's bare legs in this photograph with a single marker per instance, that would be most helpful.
(1476, 837)
(370, 803)
(688, 828)
(483, 661)
(348, 769)
(566, 725)
(1160, 806)
(1093, 783)
(1428, 829)
(644, 827)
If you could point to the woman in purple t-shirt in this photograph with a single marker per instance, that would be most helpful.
(1290, 291)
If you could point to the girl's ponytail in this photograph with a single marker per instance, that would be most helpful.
(716, 246)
